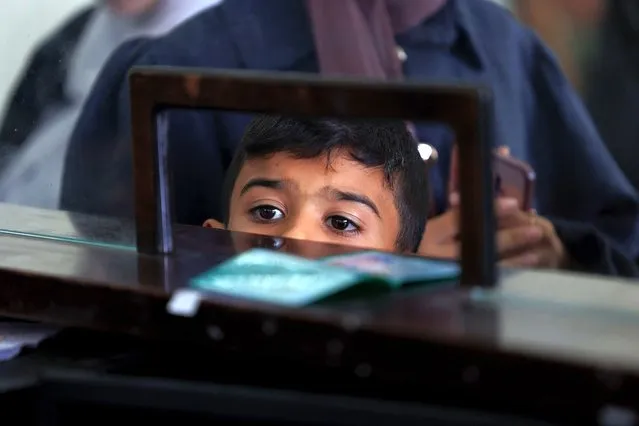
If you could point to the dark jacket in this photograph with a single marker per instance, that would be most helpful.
(538, 116)
(42, 84)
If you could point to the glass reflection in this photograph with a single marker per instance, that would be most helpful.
(309, 249)
(64, 141)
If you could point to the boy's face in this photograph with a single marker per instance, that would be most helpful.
(344, 203)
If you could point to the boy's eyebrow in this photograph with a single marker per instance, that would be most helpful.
(353, 197)
(262, 182)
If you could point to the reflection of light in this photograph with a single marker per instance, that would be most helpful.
(269, 242)
(425, 151)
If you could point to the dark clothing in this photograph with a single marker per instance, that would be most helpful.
(538, 116)
(42, 84)
(357, 37)
(612, 85)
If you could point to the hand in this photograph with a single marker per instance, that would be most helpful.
(441, 238)
(528, 240)
(523, 239)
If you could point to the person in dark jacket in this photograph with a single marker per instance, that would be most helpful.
(587, 209)
(42, 111)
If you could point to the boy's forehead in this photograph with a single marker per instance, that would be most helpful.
(316, 177)
(339, 167)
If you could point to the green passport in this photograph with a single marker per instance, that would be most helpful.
(280, 278)
(284, 279)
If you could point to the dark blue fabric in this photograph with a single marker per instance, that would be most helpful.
(471, 41)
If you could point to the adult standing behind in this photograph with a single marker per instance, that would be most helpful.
(589, 212)
(46, 103)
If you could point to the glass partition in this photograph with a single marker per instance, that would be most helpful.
(66, 125)
(381, 195)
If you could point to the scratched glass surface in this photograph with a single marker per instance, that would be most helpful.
(57, 50)
(53, 53)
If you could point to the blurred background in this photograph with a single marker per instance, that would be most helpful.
(570, 27)
(595, 42)
(23, 25)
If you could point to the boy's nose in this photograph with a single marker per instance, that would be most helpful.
(296, 232)
(301, 232)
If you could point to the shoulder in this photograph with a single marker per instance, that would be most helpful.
(497, 33)
(488, 18)
(202, 41)
(77, 23)
(65, 36)
(237, 34)
(198, 42)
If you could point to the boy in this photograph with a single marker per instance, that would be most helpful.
(357, 182)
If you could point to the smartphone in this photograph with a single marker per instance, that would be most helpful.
(515, 179)
(511, 178)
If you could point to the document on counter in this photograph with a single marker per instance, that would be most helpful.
(285, 279)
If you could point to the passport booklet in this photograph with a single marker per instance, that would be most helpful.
(285, 279)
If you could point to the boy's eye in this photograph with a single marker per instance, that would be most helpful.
(341, 224)
(267, 213)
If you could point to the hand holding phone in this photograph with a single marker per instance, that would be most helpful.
(511, 178)
(523, 239)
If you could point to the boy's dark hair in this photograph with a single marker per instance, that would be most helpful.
(372, 143)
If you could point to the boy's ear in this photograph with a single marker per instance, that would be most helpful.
(213, 224)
